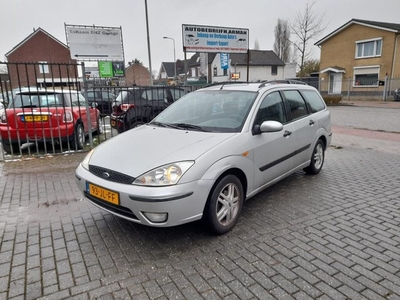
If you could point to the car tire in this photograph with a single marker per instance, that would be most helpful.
(224, 205)
(10, 148)
(317, 159)
(79, 137)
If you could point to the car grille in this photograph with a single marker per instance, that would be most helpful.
(110, 175)
(121, 210)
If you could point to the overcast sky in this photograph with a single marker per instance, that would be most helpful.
(165, 18)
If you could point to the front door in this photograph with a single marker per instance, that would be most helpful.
(335, 83)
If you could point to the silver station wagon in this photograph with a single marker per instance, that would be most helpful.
(207, 153)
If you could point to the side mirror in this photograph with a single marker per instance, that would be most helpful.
(267, 126)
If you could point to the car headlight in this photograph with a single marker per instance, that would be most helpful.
(164, 175)
(85, 162)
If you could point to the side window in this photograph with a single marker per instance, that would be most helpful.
(314, 101)
(296, 103)
(177, 93)
(271, 109)
(163, 95)
(76, 100)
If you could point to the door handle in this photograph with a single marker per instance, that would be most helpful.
(311, 122)
(287, 133)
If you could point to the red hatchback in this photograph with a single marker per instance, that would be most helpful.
(47, 116)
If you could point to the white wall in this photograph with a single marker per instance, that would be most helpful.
(257, 73)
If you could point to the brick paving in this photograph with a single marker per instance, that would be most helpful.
(331, 236)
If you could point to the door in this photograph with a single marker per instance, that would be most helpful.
(305, 126)
(335, 83)
(272, 150)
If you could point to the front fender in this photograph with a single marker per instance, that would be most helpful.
(229, 164)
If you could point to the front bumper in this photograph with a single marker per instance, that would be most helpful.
(182, 203)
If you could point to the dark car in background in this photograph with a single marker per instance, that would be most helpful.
(104, 97)
(397, 94)
(139, 105)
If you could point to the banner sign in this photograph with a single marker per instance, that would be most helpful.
(94, 43)
(197, 38)
(224, 57)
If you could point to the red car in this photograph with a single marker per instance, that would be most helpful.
(48, 116)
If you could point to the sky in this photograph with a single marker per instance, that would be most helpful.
(165, 18)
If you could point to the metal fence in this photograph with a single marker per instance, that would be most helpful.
(42, 111)
(50, 109)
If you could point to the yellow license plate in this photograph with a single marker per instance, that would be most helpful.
(36, 118)
(113, 123)
(102, 193)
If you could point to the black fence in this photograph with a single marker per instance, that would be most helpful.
(49, 109)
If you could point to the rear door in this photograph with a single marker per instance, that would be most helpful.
(305, 126)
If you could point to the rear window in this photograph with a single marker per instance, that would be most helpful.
(314, 101)
(36, 100)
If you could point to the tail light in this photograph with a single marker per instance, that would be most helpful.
(68, 117)
(125, 107)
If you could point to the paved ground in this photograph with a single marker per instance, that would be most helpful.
(331, 236)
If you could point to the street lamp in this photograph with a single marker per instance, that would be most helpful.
(170, 38)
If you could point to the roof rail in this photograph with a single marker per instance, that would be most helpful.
(223, 83)
(282, 81)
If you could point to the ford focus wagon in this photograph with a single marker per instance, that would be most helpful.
(207, 153)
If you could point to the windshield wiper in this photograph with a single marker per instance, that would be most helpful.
(159, 124)
(187, 126)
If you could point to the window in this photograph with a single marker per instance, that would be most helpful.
(296, 102)
(43, 67)
(370, 48)
(274, 70)
(271, 109)
(366, 76)
(225, 72)
(314, 101)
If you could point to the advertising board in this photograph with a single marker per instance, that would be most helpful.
(199, 38)
(94, 43)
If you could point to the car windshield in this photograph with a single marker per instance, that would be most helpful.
(36, 100)
(217, 111)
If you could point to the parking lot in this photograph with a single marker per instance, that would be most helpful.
(331, 236)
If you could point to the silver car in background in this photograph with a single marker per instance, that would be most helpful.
(207, 153)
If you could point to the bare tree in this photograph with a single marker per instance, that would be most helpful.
(282, 40)
(306, 27)
(256, 45)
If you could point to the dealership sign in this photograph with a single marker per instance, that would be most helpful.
(108, 69)
(94, 43)
(197, 38)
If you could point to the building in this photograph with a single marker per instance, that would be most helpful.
(361, 57)
(262, 65)
(41, 60)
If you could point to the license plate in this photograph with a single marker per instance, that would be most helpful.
(35, 118)
(102, 193)
(113, 123)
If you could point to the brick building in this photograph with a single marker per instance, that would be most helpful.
(41, 60)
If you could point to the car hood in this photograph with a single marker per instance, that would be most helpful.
(144, 148)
